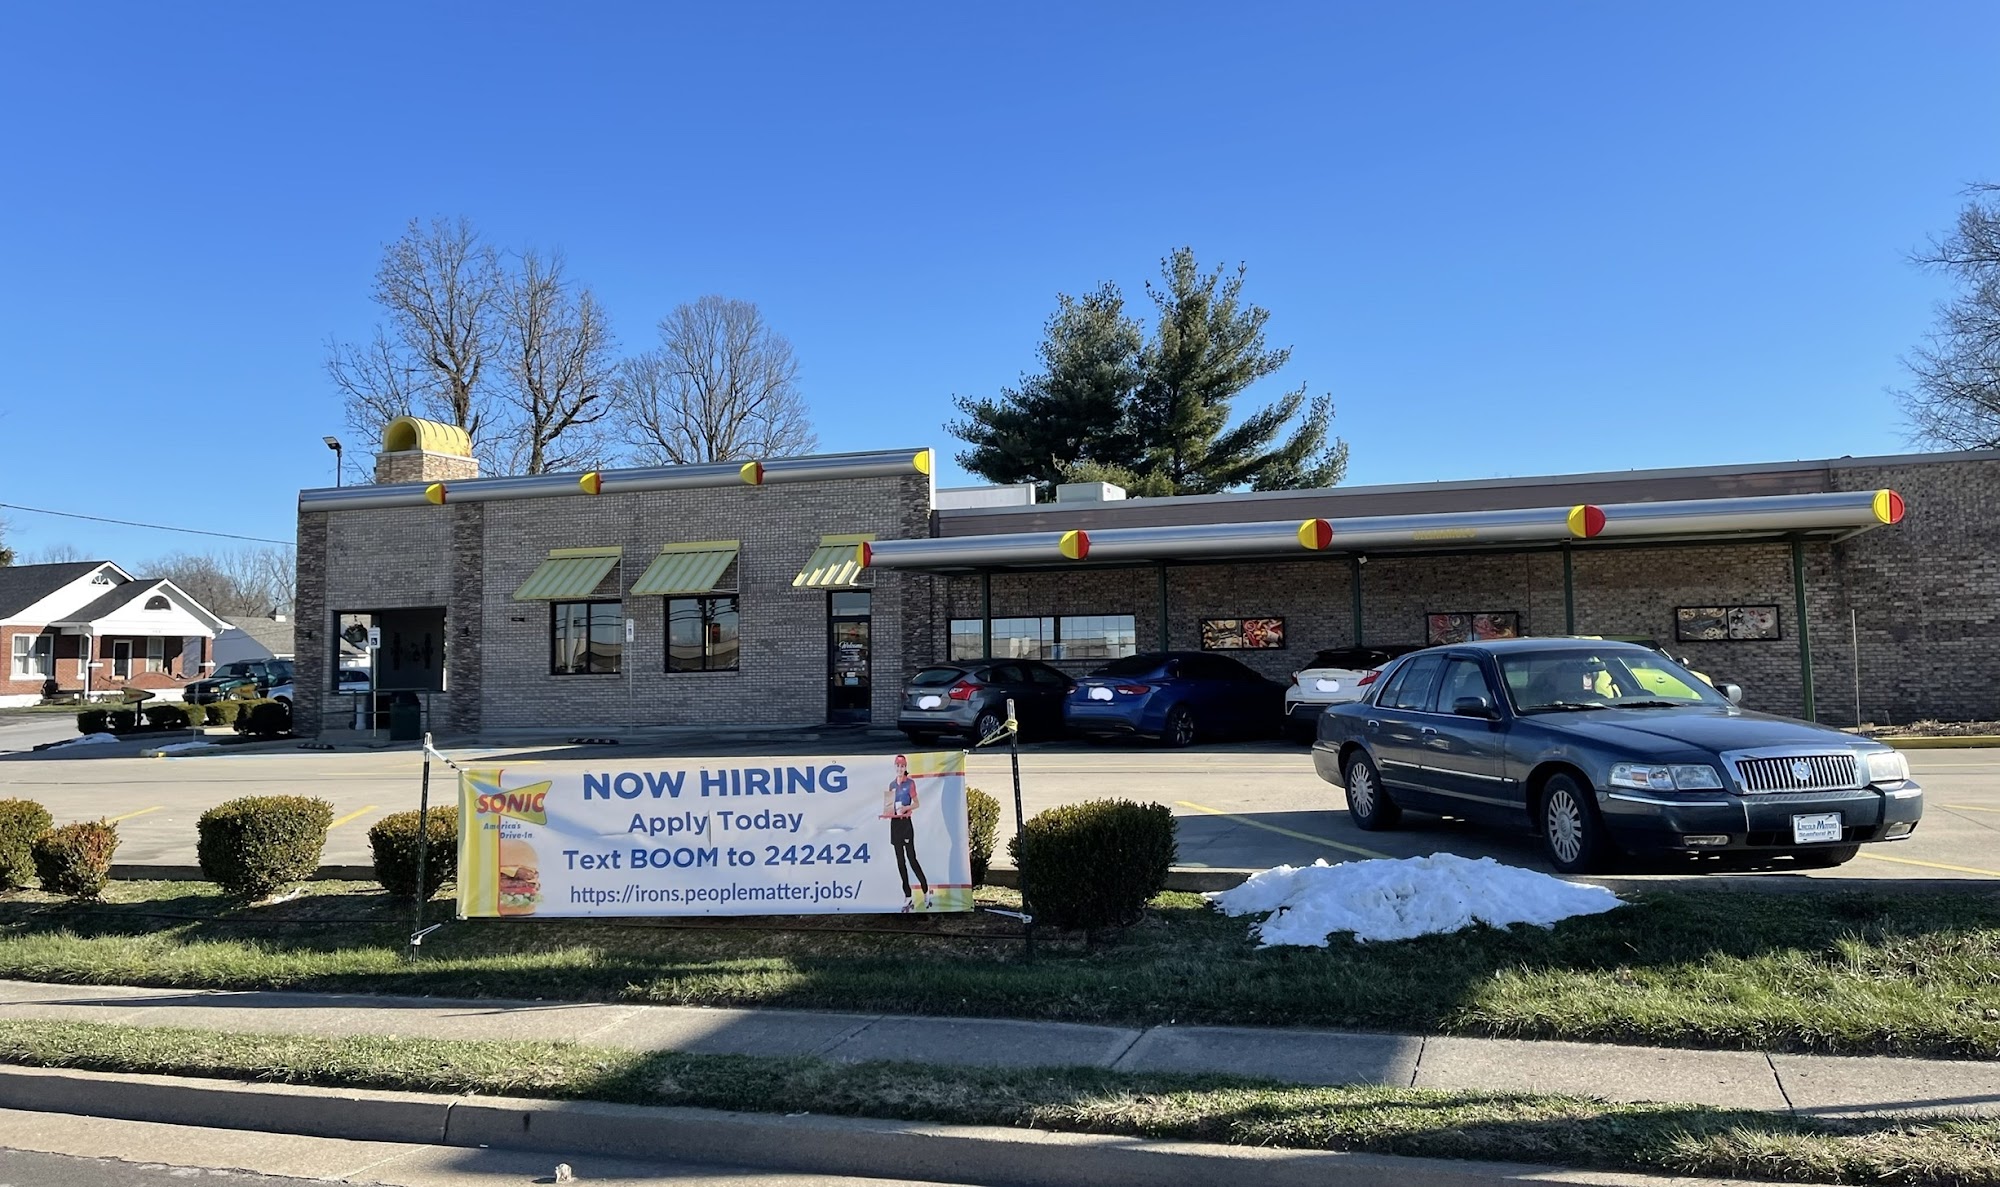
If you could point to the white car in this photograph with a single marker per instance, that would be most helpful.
(1334, 677)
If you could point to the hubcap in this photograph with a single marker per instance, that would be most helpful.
(1565, 826)
(1184, 728)
(988, 726)
(1360, 791)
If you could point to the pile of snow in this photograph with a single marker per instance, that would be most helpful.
(1399, 899)
(86, 740)
(184, 747)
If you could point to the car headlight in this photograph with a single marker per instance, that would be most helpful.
(1888, 766)
(1666, 777)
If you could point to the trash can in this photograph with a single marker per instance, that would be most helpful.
(406, 718)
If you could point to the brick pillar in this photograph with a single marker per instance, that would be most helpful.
(312, 649)
(465, 619)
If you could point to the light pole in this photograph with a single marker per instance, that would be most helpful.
(333, 443)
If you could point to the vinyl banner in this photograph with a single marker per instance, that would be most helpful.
(751, 836)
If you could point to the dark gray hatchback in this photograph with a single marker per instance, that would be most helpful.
(1605, 748)
(969, 698)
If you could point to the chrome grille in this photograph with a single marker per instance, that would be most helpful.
(1800, 772)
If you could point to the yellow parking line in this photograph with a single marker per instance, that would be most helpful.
(1283, 832)
(351, 817)
(1967, 808)
(140, 812)
(1933, 865)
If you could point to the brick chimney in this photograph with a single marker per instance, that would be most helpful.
(424, 451)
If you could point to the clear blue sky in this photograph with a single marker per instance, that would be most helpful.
(1509, 238)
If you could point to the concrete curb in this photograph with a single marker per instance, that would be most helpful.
(804, 1144)
(1964, 742)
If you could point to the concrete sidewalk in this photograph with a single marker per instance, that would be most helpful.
(1828, 1086)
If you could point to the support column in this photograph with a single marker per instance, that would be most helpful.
(1809, 710)
(986, 613)
(1354, 585)
(1164, 635)
(1569, 591)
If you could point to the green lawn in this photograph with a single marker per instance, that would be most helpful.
(1841, 972)
(1565, 1131)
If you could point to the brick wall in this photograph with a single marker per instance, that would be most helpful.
(414, 465)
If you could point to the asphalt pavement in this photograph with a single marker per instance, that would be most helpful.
(68, 1150)
(1240, 806)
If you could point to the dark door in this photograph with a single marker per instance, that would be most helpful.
(1467, 755)
(1401, 723)
(849, 673)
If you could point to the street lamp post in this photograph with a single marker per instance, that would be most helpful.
(333, 443)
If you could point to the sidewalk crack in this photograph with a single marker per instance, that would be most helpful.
(630, 1013)
(1780, 1082)
(1137, 1035)
(1423, 1044)
(842, 1039)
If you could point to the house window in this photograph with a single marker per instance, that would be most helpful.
(586, 638)
(156, 654)
(702, 634)
(1097, 636)
(158, 602)
(34, 657)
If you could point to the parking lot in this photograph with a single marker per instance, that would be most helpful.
(1246, 806)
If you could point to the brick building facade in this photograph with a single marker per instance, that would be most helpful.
(1920, 595)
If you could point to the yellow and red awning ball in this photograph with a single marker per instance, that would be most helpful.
(753, 473)
(1585, 521)
(1888, 506)
(434, 493)
(591, 483)
(1316, 534)
(1074, 545)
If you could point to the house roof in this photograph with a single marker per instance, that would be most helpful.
(139, 589)
(116, 598)
(273, 635)
(21, 586)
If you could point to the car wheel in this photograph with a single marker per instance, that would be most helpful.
(1825, 859)
(1572, 833)
(1367, 801)
(1180, 730)
(989, 723)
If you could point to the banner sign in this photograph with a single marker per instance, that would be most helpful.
(780, 836)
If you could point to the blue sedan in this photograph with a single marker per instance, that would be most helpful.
(1605, 748)
(1177, 697)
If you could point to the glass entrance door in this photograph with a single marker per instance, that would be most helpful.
(847, 663)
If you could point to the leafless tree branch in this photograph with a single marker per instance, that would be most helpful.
(721, 385)
(558, 357)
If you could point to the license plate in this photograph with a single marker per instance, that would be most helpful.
(1100, 694)
(1820, 826)
(1327, 685)
(930, 702)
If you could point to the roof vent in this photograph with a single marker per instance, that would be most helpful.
(1089, 492)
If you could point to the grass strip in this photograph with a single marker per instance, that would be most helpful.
(1564, 1131)
(1843, 972)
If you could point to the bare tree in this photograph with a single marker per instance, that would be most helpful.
(562, 378)
(55, 554)
(1954, 402)
(440, 287)
(247, 583)
(721, 385)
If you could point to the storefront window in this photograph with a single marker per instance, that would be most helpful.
(702, 634)
(1097, 636)
(586, 638)
(1075, 637)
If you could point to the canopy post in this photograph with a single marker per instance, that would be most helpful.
(1165, 642)
(1569, 591)
(1808, 709)
(1354, 587)
(986, 613)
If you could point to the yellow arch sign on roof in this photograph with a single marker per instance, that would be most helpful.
(406, 433)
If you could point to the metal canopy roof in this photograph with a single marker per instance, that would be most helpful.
(835, 564)
(687, 568)
(1840, 513)
(568, 573)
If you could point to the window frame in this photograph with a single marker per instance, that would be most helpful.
(1429, 691)
(667, 621)
(35, 661)
(156, 654)
(589, 624)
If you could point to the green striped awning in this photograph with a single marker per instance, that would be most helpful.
(568, 573)
(687, 568)
(835, 564)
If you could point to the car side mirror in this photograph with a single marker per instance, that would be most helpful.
(1472, 707)
(1734, 692)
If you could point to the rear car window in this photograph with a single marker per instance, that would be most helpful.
(937, 677)
(1412, 689)
(1131, 665)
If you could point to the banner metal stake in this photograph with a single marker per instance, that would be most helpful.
(1020, 876)
(417, 929)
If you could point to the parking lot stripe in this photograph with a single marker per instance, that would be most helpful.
(1283, 832)
(1933, 865)
(1968, 808)
(140, 812)
(351, 817)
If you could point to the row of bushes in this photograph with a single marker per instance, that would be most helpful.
(259, 718)
(1086, 866)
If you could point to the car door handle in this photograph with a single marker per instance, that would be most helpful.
(1430, 731)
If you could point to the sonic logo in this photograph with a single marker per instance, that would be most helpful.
(527, 803)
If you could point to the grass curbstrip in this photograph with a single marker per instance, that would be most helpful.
(1557, 1130)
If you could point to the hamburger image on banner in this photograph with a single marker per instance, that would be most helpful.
(520, 887)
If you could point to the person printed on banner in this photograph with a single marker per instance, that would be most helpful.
(899, 804)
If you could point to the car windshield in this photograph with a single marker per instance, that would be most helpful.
(1131, 665)
(1625, 678)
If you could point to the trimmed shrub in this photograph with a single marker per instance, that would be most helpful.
(76, 859)
(220, 712)
(264, 719)
(985, 813)
(21, 822)
(245, 692)
(393, 840)
(93, 721)
(1095, 864)
(166, 717)
(123, 721)
(260, 844)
